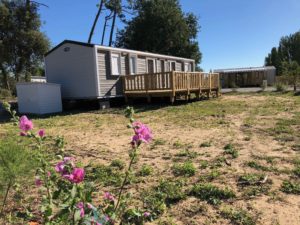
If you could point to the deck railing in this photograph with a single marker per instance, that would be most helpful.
(170, 82)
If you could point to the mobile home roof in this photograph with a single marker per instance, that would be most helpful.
(118, 49)
(246, 69)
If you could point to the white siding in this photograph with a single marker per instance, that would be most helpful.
(39, 98)
(75, 70)
(178, 66)
(141, 65)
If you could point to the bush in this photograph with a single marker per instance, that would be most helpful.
(4, 93)
(185, 169)
(290, 187)
(280, 87)
(210, 193)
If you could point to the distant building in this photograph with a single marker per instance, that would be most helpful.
(246, 77)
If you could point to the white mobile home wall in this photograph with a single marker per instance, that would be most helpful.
(74, 67)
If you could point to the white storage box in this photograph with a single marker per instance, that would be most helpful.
(39, 98)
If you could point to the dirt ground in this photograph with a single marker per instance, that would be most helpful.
(262, 128)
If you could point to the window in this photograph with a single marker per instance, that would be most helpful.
(187, 67)
(132, 64)
(151, 67)
(115, 64)
(162, 64)
(172, 66)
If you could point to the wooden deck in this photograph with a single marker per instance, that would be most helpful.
(171, 84)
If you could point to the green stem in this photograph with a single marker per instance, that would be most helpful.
(125, 180)
(6, 195)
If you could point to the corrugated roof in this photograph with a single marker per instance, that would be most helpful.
(245, 69)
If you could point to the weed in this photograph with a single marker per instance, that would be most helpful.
(172, 190)
(157, 142)
(290, 187)
(203, 164)
(210, 193)
(146, 170)
(280, 87)
(296, 171)
(238, 216)
(205, 144)
(229, 149)
(179, 144)
(104, 174)
(257, 166)
(154, 202)
(185, 169)
(187, 153)
(118, 164)
(213, 174)
(250, 179)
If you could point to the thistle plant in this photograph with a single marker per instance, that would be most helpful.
(66, 196)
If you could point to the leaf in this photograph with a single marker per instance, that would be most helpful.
(74, 192)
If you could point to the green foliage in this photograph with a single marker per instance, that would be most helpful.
(238, 216)
(154, 202)
(280, 87)
(21, 39)
(146, 170)
(211, 193)
(157, 142)
(133, 216)
(290, 187)
(172, 190)
(186, 169)
(177, 30)
(5, 94)
(257, 166)
(187, 153)
(104, 174)
(287, 51)
(229, 149)
(205, 144)
(167, 192)
(203, 164)
(118, 164)
(250, 179)
(17, 164)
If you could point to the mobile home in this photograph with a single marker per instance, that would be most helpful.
(247, 77)
(89, 71)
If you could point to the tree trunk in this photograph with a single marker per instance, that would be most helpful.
(112, 27)
(104, 27)
(95, 21)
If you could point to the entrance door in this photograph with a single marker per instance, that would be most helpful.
(150, 64)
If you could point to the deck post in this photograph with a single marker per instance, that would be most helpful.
(173, 86)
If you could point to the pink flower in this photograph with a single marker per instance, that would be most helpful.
(142, 133)
(76, 176)
(48, 173)
(61, 166)
(80, 206)
(25, 124)
(108, 196)
(38, 182)
(146, 214)
(90, 206)
(41, 133)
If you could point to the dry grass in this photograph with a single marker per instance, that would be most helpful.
(262, 128)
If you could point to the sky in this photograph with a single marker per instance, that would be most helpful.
(234, 33)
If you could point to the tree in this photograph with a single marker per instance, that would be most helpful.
(287, 51)
(22, 45)
(161, 27)
(292, 71)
